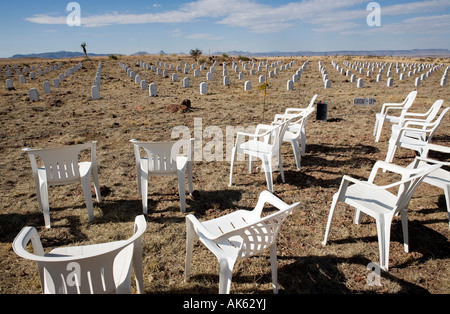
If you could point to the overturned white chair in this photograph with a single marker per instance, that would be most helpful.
(265, 144)
(164, 159)
(439, 178)
(61, 166)
(380, 203)
(92, 269)
(414, 138)
(239, 235)
(386, 116)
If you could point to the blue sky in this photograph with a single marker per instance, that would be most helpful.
(222, 25)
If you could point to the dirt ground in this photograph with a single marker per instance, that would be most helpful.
(344, 145)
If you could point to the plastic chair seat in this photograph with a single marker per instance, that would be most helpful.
(374, 201)
(255, 147)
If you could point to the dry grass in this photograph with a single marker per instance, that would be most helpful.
(343, 145)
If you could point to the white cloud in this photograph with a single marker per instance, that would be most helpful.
(204, 37)
(324, 15)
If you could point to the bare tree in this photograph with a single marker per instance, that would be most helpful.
(83, 45)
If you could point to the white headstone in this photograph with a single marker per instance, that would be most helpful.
(34, 94)
(248, 85)
(32, 75)
(174, 77)
(443, 81)
(379, 78)
(290, 85)
(226, 80)
(203, 88)
(46, 86)
(22, 79)
(353, 78)
(95, 91)
(327, 84)
(55, 82)
(390, 82)
(9, 84)
(417, 82)
(186, 82)
(144, 85)
(196, 73)
(360, 83)
(152, 90)
(402, 76)
(137, 79)
(209, 76)
(241, 76)
(62, 77)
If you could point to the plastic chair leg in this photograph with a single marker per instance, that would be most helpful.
(330, 217)
(96, 185)
(297, 154)
(182, 188)
(86, 185)
(404, 218)
(447, 200)
(384, 237)
(43, 193)
(268, 171)
(190, 236)
(274, 267)
(226, 273)
(144, 191)
(233, 156)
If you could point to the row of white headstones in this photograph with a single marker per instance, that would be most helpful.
(34, 93)
(369, 68)
(271, 68)
(32, 74)
(95, 90)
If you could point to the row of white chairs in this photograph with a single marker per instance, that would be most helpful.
(61, 166)
(89, 269)
(380, 202)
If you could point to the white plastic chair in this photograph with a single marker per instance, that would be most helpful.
(264, 146)
(380, 203)
(385, 116)
(425, 118)
(239, 235)
(295, 133)
(439, 178)
(92, 269)
(414, 138)
(306, 112)
(163, 159)
(61, 167)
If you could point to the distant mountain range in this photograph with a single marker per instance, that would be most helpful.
(393, 53)
(384, 53)
(57, 55)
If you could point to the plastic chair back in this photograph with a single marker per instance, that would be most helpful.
(97, 269)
